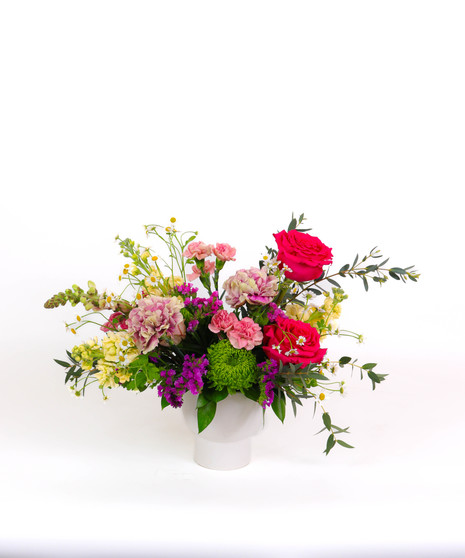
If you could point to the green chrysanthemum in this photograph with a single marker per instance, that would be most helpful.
(235, 369)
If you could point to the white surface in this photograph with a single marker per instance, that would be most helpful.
(230, 117)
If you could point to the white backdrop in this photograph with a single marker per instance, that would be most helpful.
(231, 116)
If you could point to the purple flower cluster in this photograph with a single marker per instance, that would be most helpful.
(192, 325)
(204, 306)
(269, 369)
(174, 386)
(275, 312)
(186, 289)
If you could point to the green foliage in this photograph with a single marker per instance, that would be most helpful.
(205, 414)
(144, 374)
(279, 406)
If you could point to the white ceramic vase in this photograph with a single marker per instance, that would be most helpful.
(226, 442)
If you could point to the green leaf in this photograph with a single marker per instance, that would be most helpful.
(294, 408)
(393, 275)
(316, 376)
(398, 270)
(365, 282)
(141, 380)
(344, 360)
(71, 373)
(218, 396)
(375, 379)
(333, 282)
(252, 393)
(62, 363)
(331, 442)
(315, 291)
(327, 420)
(344, 444)
(279, 406)
(344, 268)
(369, 366)
(292, 224)
(205, 415)
(164, 403)
(152, 372)
(202, 400)
(355, 261)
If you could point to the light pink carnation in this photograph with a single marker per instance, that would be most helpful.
(245, 334)
(222, 321)
(198, 250)
(154, 317)
(208, 267)
(225, 252)
(250, 285)
(194, 275)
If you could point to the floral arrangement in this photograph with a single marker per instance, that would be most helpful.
(263, 335)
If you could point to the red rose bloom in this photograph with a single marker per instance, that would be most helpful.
(304, 254)
(293, 341)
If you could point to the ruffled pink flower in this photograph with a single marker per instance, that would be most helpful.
(245, 334)
(154, 317)
(194, 275)
(208, 267)
(225, 252)
(252, 285)
(222, 321)
(198, 250)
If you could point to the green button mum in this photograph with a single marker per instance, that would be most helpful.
(235, 369)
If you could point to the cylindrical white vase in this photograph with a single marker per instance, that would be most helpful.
(226, 442)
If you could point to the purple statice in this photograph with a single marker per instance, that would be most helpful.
(275, 312)
(193, 369)
(191, 326)
(204, 306)
(168, 390)
(174, 386)
(187, 289)
(269, 369)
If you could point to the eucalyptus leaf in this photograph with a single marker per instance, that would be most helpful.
(333, 282)
(62, 363)
(344, 444)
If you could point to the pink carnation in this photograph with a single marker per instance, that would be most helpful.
(252, 285)
(194, 275)
(198, 250)
(208, 267)
(225, 252)
(154, 317)
(222, 321)
(245, 334)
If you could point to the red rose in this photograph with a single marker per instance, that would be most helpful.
(292, 341)
(304, 254)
